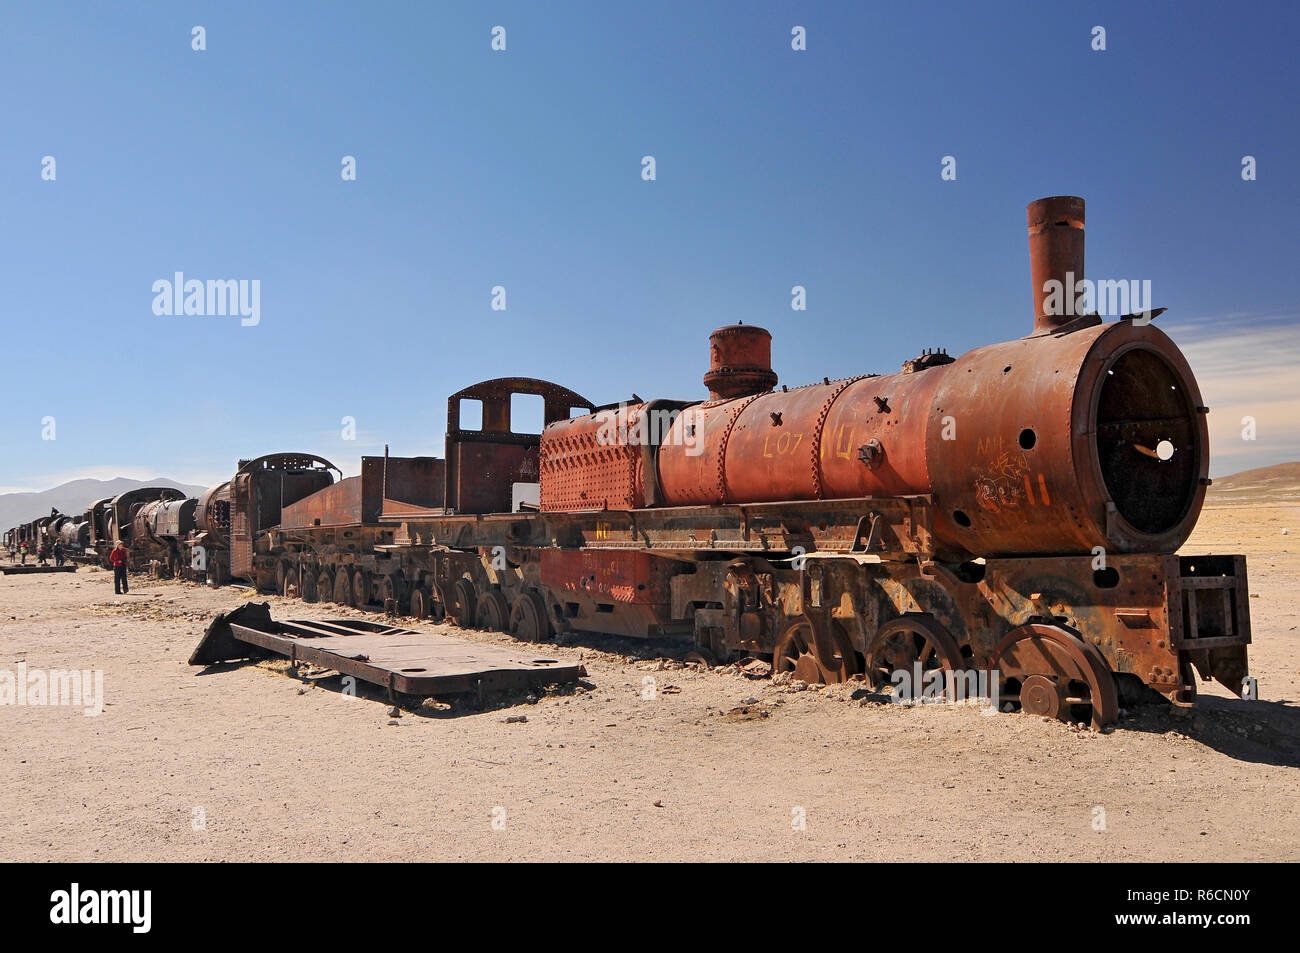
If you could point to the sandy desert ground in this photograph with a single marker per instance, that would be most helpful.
(716, 767)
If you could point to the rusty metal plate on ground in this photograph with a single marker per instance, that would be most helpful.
(22, 570)
(404, 660)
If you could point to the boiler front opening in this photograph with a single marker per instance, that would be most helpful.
(1147, 441)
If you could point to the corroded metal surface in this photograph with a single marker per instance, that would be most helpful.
(1049, 669)
(212, 515)
(1041, 445)
(402, 660)
(165, 518)
(125, 507)
(897, 527)
(613, 577)
(740, 362)
(1056, 253)
(815, 653)
(589, 463)
(260, 490)
(484, 462)
(336, 505)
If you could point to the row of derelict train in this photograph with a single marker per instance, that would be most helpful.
(1016, 509)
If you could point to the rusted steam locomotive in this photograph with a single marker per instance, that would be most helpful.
(1015, 509)
(148, 518)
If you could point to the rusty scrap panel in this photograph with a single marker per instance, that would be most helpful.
(594, 462)
(241, 537)
(484, 463)
(279, 488)
(401, 481)
(894, 528)
(1211, 601)
(174, 517)
(395, 510)
(385, 485)
(485, 474)
(336, 505)
(399, 659)
(628, 577)
(259, 492)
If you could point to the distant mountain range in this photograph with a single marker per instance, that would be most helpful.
(74, 498)
(1275, 484)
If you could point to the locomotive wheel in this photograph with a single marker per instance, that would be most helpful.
(420, 602)
(437, 608)
(1185, 696)
(389, 589)
(325, 586)
(308, 584)
(528, 621)
(361, 589)
(828, 660)
(343, 588)
(492, 612)
(466, 603)
(289, 584)
(1048, 670)
(900, 643)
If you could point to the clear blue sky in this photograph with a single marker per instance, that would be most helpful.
(523, 169)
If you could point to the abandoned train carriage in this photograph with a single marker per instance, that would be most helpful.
(331, 545)
(232, 520)
(121, 523)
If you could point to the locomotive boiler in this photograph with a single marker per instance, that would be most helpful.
(159, 530)
(119, 522)
(1082, 435)
(1058, 443)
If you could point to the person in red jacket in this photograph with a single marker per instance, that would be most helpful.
(118, 557)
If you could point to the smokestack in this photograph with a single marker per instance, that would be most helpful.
(740, 362)
(1055, 252)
